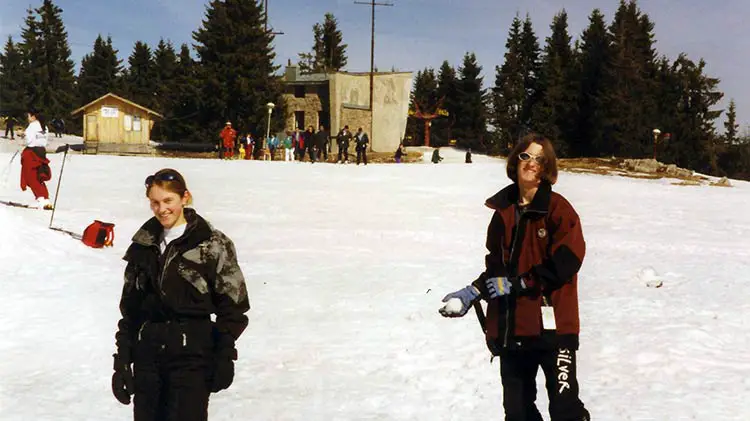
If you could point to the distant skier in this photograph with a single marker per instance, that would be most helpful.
(400, 153)
(468, 156)
(530, 283)
(180, 271)
(436, 156)
(228, 135)
(35, 168)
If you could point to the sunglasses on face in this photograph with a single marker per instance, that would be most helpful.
(167, 176)
(525, 156)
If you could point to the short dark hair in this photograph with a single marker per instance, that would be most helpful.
(549, 167)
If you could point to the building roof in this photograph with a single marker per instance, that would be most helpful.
(111, 95)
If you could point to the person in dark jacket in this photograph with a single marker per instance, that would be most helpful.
(400, 153)
(536, 248)
(467, 159)
(436, 156)
(322, 141)
(180, 270)
(362, 142)
(309, 137)
(342, 140)
(10, 124)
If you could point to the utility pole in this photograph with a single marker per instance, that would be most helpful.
(265, 11)
(372, 4)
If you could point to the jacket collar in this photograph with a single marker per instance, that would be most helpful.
(509, 196)
(197, 230)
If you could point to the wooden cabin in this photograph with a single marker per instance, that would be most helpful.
(112, 124)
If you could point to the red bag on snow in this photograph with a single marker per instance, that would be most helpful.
(99, 234)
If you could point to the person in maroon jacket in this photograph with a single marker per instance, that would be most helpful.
(536, 248)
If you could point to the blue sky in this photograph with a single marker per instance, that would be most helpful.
(414, 34)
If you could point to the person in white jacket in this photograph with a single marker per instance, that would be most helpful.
(34, 163)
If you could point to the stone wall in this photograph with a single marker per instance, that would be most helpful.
(311, 104)
(355, 118)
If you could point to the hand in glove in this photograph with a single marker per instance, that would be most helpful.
(224, 358)
(459, 302)
(122, 380)
(499, 286)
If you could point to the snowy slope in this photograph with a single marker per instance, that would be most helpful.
(346, 267)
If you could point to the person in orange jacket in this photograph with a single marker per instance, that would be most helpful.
(228, 134)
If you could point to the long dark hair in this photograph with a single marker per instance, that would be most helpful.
(40, 118)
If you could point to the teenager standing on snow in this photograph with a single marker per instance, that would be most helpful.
(34, 163)
(536, 248)
(180, 271)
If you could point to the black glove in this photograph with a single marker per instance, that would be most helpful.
(122, 380)
(224, 358)
(223, 374)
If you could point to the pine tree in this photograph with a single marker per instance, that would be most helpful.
(594, 56)
(509, 95)
(328, 53)
(441, 131)
(57, 86)
(555, 113)
(730, 125)
(629, 102)
(165, 70)
(530, 68)
(236, 58)
(471, 113)
(140, 80)
(11, 80)
(100, 72)
(181, 116)
(425, 97)
(693, 134)
(34, 70)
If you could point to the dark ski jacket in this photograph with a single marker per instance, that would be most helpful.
(543, 243)
(362, 142)
(197, 276)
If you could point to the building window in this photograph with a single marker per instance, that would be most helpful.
(299, 120)
(136, 124)
(299, 91)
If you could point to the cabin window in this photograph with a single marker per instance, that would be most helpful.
(136, 124)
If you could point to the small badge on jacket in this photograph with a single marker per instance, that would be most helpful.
(541, 233)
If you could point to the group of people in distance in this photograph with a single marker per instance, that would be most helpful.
(295, 145)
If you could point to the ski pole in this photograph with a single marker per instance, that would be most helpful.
(13, 157)
(59, 179)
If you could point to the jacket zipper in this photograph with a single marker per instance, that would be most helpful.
(510, 258)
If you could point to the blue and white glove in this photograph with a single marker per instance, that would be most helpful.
(500, 286)
(459, 302)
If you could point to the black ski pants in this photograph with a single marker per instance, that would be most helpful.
(343, 152)
(518, 369)
(172, 369)
(361, 154)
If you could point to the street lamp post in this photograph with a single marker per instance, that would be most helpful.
(270, 106)
(656, 132)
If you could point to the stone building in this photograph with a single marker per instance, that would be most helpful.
(342, 98)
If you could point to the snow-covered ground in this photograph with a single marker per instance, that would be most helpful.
(346, 267)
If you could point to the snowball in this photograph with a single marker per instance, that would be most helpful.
(453, 305)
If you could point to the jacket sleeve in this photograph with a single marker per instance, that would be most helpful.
(230, 292)
(566, 251)
(130, 302)
(493, 261)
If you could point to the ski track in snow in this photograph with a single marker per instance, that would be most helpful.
(346, 267)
